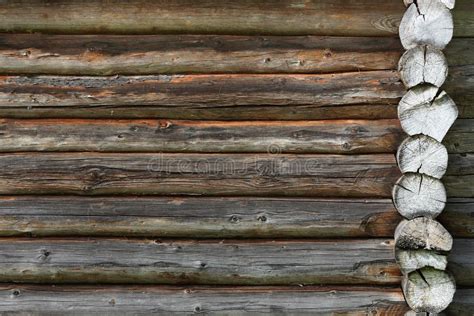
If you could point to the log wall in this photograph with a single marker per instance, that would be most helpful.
(194, 157)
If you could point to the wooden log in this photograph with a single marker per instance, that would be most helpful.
(458, 217)
(203, 174)
(416, 195)
(423, 233)
(171, 54)
(256, 300)
(423, 64)
(459, 262)
(448, 3)
(426, 22)
(422, 154)
(462, 304)
(429, 290)
(427, 110)
(191, 262)
(333, 136)
(412, 260)
(198, 217)
(459, 178)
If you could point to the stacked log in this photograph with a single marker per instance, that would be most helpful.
(426, 113)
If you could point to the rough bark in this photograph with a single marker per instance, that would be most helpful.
(416, 195)
(429, 290)
(427, 110)
(422, 154)
(423, 233)
(333, 136)
(426, 22)
(191, 262)
(423, 64)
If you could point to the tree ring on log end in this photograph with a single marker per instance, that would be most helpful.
(416, 195)
(423, 64)
(426, 22)
(423, 233)
(422, 154)
(427, 110)
(428, 290)
(411, 260)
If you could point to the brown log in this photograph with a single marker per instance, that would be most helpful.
(203, 174)
(332, 136)
(423, 233)
(191, 262)
(458, 217)
(256, 300)
(429, 290)
(171, 54)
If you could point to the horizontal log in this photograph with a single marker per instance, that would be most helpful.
(256, 300)
(326, 136)
(365, 95)
(165, 54)
(228, 262)
(322, 17)
(199, 174)
(171, 54)
(216, 174)
(204, 262)
(182, 217)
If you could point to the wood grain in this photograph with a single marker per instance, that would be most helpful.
(199, 174)
(146, 300)
(364, 95)
(198, 262)
(189, 217)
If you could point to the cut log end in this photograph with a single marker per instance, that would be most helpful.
(416, 195)
(422, 154)
(426, 22)
(423, 233)
(411, 260)
(423, 64)
(448, 3)
(427, 110)
(428, 290)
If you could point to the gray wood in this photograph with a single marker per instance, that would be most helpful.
(224, 262)
(448, 3)
(331, 136)
(422, 154)
(426, 22)
(198, 174)
(417, 195)
(459, 261)
(423, 64)
(427, 110)
(167, 300)
(429, 290)
(411, 260)
(423, 233)
(199, 217)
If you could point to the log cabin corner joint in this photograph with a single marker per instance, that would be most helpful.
(426, 113)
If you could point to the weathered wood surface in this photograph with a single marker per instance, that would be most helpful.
(213, 217)
(426, 22)
(146, 300)
(154, 54)
(170, 54)
(416, 195)
(463, 304)
(198, 262)
(199, 174)
(412, 260)
(429, 290)
(423, 154)
(321, 17)
(365, 95)
(331, 136)
(199, 217)
(423, 233)
(427, 110)
(323, 136)
(216, 174)
(230, 262)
